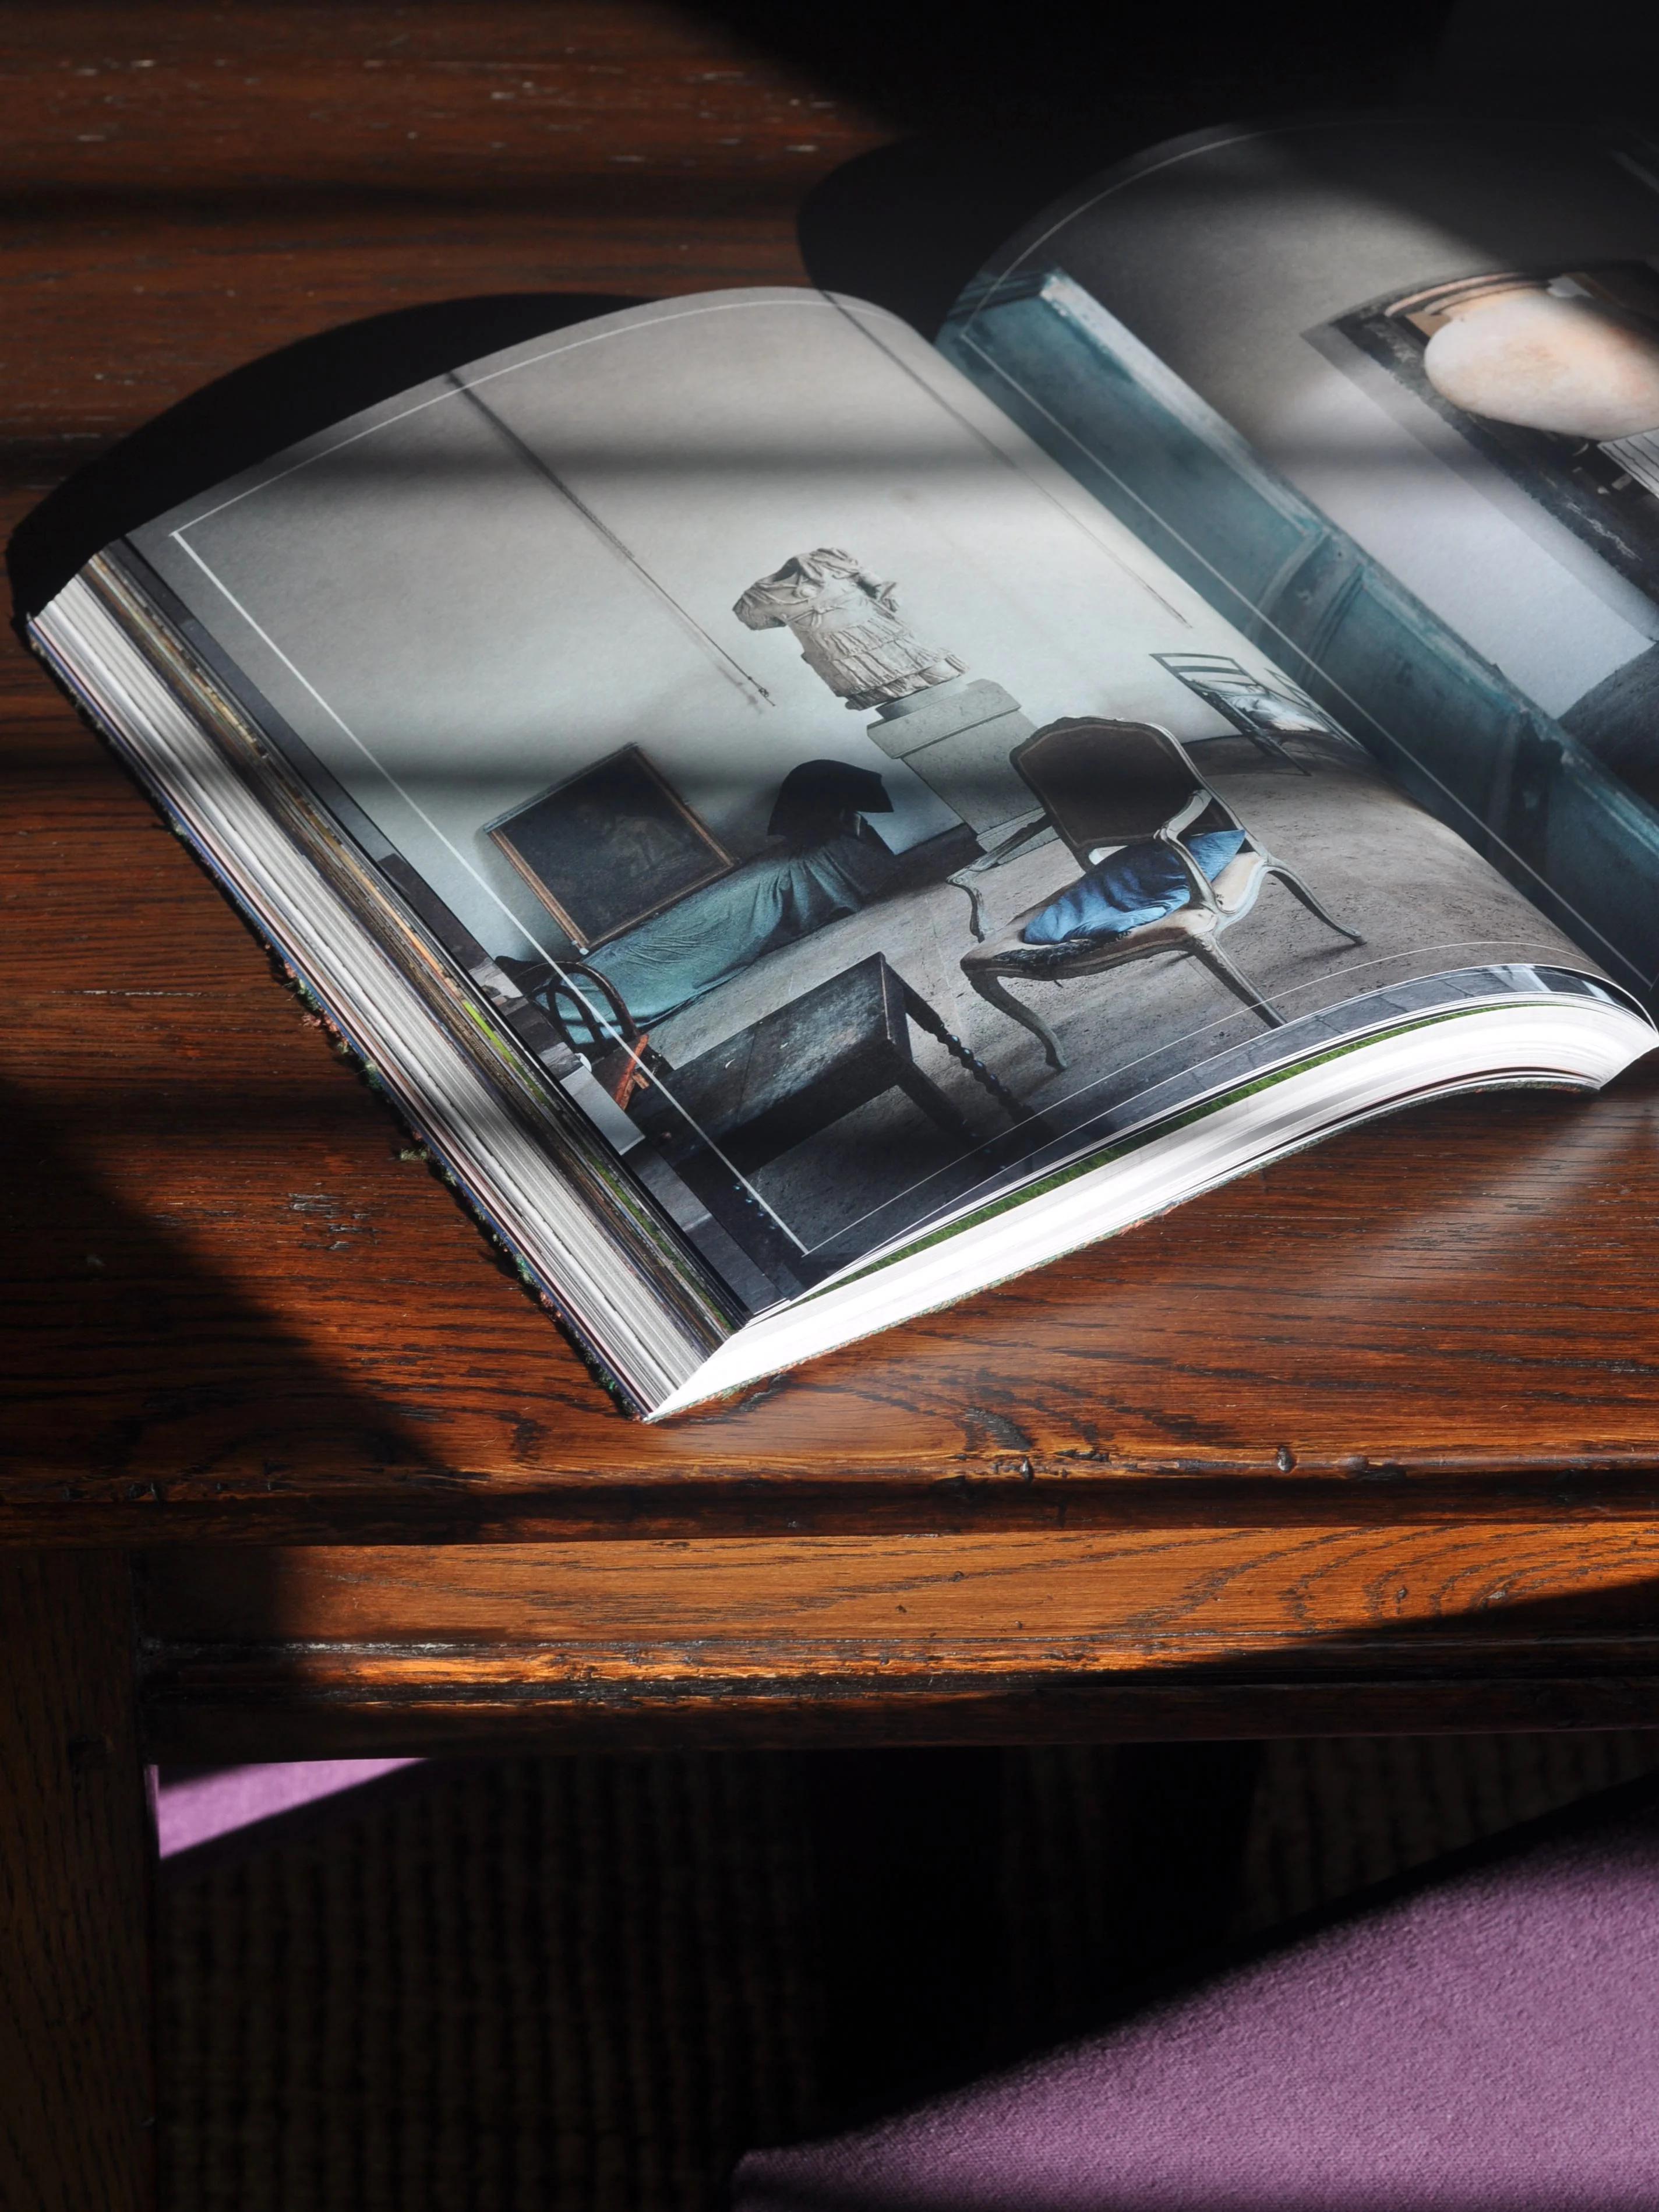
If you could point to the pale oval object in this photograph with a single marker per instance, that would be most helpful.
(1550, 364)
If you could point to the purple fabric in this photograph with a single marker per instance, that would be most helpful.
(1490, 2045)
(199, 1808)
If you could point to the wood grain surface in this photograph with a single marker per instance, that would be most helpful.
(236, 1311)
(77, 2132)
(1097, 1635)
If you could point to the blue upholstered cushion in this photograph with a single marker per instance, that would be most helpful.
(1131, 887)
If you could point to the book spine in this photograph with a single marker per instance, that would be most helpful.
(348, 1046)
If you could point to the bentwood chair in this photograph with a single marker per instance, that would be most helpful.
(1103, 786)
(585, 1006)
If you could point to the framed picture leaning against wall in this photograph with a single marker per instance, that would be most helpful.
(609, 847)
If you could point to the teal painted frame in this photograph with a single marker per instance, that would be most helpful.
(1449, 726)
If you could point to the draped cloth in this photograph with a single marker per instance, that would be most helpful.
(706, 938)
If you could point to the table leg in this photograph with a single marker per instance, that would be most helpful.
(922, 1091)
(77, 2103)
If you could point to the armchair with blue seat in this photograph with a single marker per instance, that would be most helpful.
(1168, 867)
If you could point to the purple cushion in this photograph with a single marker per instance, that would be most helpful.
(192, 1810)
(1492, 2042)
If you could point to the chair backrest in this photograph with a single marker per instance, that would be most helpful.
(1104, 782)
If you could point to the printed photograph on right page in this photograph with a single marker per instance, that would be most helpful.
(1552, 376)
(1387, 392)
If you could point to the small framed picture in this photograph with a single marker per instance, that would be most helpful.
(610, 848)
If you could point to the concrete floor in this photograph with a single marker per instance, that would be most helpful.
(1422, 900)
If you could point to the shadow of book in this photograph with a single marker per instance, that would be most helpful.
(152, 1381)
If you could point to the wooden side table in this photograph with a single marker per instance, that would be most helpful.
(789, 1076)
(291, 1466)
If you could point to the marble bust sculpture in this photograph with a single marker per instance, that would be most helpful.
(847, 624)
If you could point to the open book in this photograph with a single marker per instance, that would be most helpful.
(807, 824)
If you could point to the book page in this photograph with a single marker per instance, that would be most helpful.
(875, 816)
(1386, 390)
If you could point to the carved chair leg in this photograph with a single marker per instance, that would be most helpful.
(1036, 833)
(1223, 968)
(976, 906)
(1298, 890)
(990, 988)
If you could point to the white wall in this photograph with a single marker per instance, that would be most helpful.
(453, 637)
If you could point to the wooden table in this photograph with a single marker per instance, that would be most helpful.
(292, 1468)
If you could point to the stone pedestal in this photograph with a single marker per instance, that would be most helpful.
(957, 737)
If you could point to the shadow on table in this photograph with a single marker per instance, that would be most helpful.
(927, 64)
(134, 1369)
(1006, 108)
(186, 1357)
